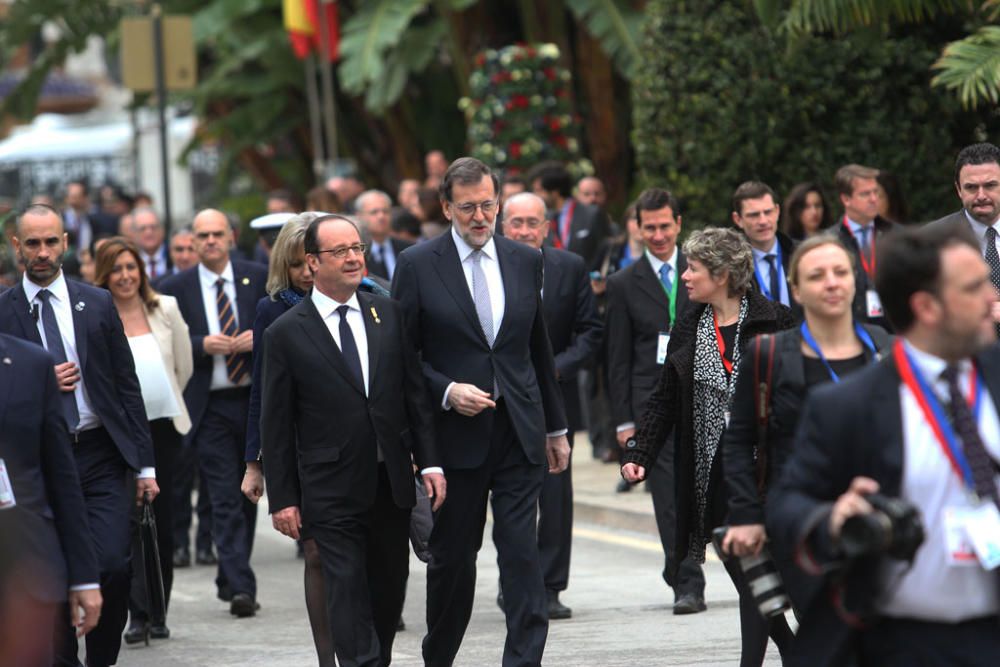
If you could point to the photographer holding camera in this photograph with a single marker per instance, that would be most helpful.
(892, 486)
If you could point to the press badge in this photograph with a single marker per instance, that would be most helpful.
(6, 490)
(982, 528)
(662, 341)
(960, 549)
(874, 304)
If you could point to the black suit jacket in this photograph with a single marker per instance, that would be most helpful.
(847, 429)
(318, 428)
(574, 328)
(250, 279)
(442, 323)
(637, 311)
(861, 281)
(587, 230)
(106, 363)
(378, 268)
(35, 447)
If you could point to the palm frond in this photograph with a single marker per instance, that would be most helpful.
(616, 26)
(843, 15)
(971, 67)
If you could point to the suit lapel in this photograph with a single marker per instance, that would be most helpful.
(373, 331)
(317, 331)
(449, 269)
(551, 277)
(22, 311)
(245, 292)
(195, 303)
(649, 284)
(6, 378)
(79, 321)
(887, 422)
(989, 371)
(509, 272)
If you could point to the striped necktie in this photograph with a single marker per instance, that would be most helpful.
(236, 364)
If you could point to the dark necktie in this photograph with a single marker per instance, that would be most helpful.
(982, 466)
(775, 288)
(349, 347)
(992, 257)
(236, 366)
(54, 344)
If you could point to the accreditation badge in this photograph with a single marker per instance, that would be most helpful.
(662, 341)
(961, 553)
(873, 304)
(6, 489)
(982, 528)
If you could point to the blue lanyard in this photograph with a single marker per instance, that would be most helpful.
(859, 331)
(765, 286)
(934, 412)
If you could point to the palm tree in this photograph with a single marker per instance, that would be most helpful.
(970, 67)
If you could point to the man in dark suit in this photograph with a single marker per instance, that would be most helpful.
(860, 230)
(575, 333)
(218, 298)
(374, 212)
(473, 309)
(41, 486)
(756, 212)
(905, 428)
(83, 220)
(576, 226)
(147, 232)
(644, 302)
(344, 404)
(100, 402)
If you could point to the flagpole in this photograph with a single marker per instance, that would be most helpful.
(315, 129)
(326, 78)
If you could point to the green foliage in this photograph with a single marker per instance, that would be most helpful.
(842, 15)
(616, 26)
(971, 67)
(731, 101)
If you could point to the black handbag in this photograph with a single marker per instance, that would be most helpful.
(156, 602)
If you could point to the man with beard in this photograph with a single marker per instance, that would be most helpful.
(920, 426)
(100, 402)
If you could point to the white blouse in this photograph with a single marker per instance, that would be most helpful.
(157, 393)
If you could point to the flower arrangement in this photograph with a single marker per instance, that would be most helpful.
(520, 111)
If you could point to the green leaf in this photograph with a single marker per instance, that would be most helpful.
(377, 26)
(844, 15)
(616, 26)
(971, 67)
(414, 53)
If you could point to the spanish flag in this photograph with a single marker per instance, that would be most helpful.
(302, 24)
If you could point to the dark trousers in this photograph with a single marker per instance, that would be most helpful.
(105, 480)
(166, 444)
(910, 643)
(221, 444)
(457, 537)
(185, 474)
(555, 527)
(754, 628)
(690, 577)
(365, 561)
(597, 406)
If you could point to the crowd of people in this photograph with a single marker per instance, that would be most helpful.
(815, 399)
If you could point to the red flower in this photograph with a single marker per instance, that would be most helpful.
(554, 124)
(550, 73)
(480, 60)
(559, 140)
(520, 101)
(515, 150)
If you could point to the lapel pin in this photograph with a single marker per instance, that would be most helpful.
(6, 360)
(375, 315)
(246, 281)
(80, 306)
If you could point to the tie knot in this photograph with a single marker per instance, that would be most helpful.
(665, 272)
(991, 234)
(342, 311)
(476, 256)
(44, 295)
(770, 257)
(220, 283)
(950, 374)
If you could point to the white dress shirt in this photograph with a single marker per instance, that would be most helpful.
(209, 293)
(932, 589)
(62, 309)
(327, 308)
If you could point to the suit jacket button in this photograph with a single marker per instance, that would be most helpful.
(630, 443)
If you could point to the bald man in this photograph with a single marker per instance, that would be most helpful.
(218, 298)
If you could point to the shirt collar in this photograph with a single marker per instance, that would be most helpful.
(978, 227)
(759, 255)
(657, 263)
(57, 288)
(209, 277)
(856, 226)
(464, 249)
(327, 306)
(930, 366)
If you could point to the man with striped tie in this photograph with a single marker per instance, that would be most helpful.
(217, 299)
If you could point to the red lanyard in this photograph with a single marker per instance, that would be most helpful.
(728, 365)
(567, 222)
(869, 268)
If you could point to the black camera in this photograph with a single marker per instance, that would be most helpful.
(893, 528)
(761, 575)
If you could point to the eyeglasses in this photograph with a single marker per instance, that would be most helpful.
(469, 209)
(342, 251)
(530, 223)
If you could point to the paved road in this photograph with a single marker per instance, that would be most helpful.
(620, 606)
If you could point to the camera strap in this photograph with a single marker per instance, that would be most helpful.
(762, 405)
(934, 412)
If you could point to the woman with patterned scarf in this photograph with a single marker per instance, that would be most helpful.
(288, 282)
(694, 395)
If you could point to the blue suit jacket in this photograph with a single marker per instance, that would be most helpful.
(35, 447)
(105, 361)
(250, 279)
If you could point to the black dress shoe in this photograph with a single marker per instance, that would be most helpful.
(500, 601)
(243, 606)
(205, 557)
(557, 610)
(401, 625)
(182, 557)
(159, 632)
(224, 593)
(137, 633)
(689, 603)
